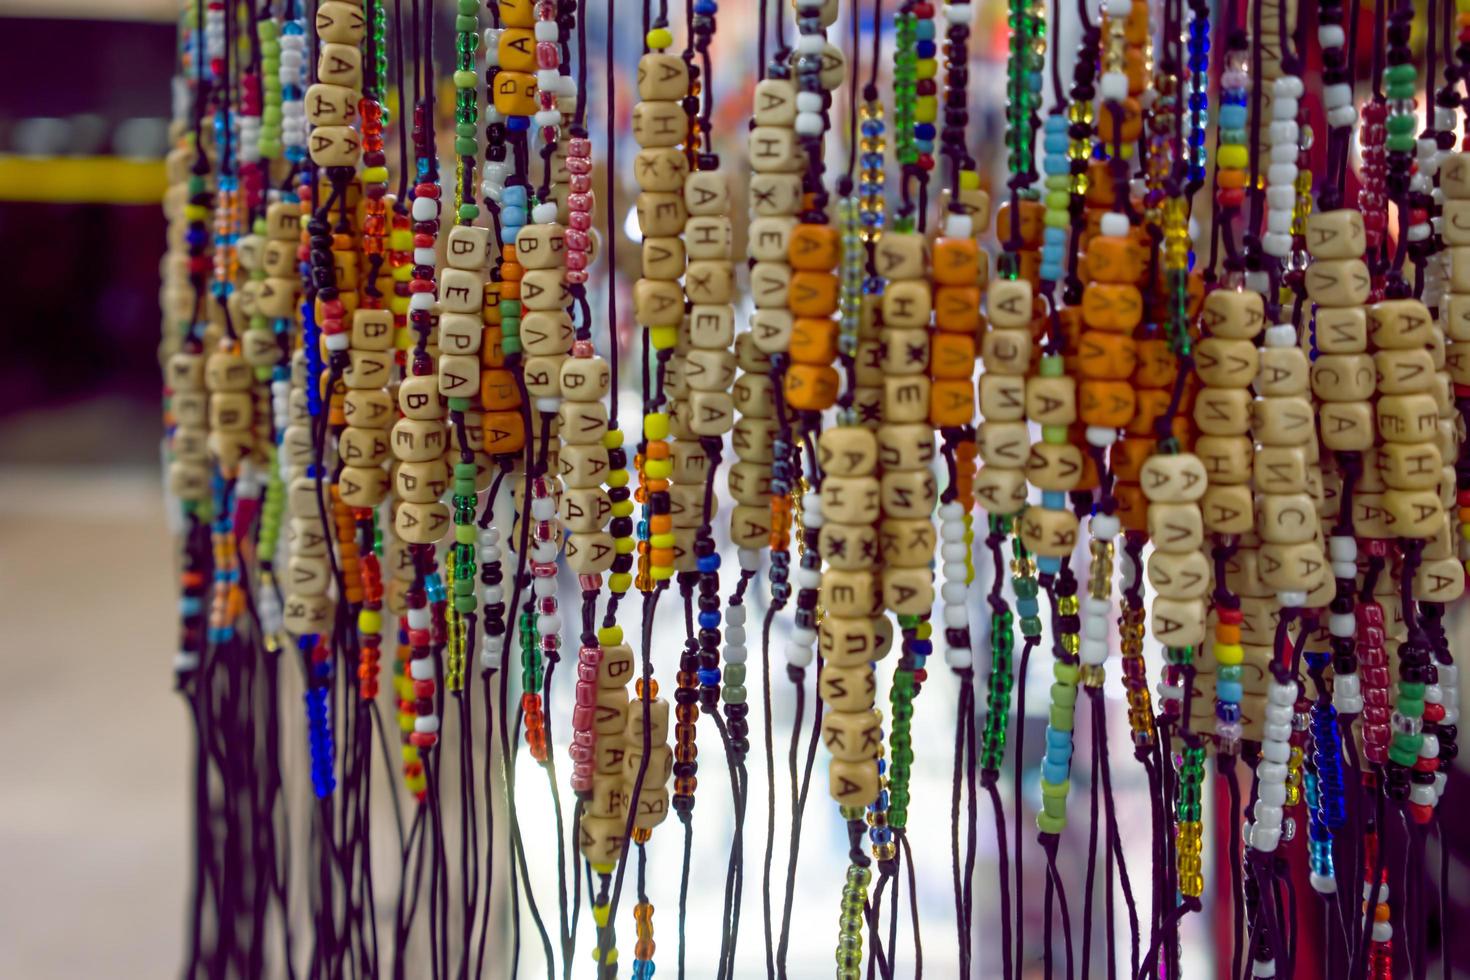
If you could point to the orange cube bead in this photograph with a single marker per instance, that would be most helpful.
(951, 402)
(1152, 404)
(1101, 192)
(956, 261)
(492, 349)
(957, 308)
(814, 340)
(951, 355)
(1112, 306)
(498, 391)
(811, 387)
(813, 293)
(1130, 125)
(1114, 260)
(814, 248)
(1030, 226)
(1106, 355)
(1157, 366)
(505, 432)
(1107, 403)
(1132, 506)
(1089, 479)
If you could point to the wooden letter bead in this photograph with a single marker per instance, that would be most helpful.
(750, 483)
(1336, 234)
(750, 526)
(1003, 397)
(1346, 426)
(1342, 331)
(1175, 528)
(584, 379)
(616, 670)
(1225, 363)
(661, 169)
(906, 304)
(775, 194)
(1280, 469)
(951, 402)
(1106, 403)
(307, 614)
(1233, 314)
(1413, 513)
(363, 447)
(658, 123)
(1006, 351)
(1009, 304)
(905, 399)
(849, 594)
(853, 736)
(1407, 418)
(1410, 465)
(421, 523)
(660, 215)
(956, 262)
(814, 248)
(543, 289)
(907, 494)
(868, 362)
(307, 576)
(773, 149)
(363, 486)
(708, 237)
(710, 370)
(1442, 580)
(459, 375)
(770, 283)
(233, 410)
(373, 330)
(1343, 377)
(662, 78)
(1114, 260)
(1287, 518)
(957, 308)
(753, 395)
(775, 102)
(1005, 444)
(847, 689)
(908, 591)
(1298, 566)
(584, 509)
(339, 64)
(1400, 324)
(711, 413)
(305, 537)
(611, 716)
(583, 465)
(1178, 622)
(852, 783)
(846, 642)
(712, 326)
(1226, 459)
(1051, 401)
(907, 543)
(905, 351)
(663, 258)
(847, 451)
(769, 238)
(227, 372)
(1179, 575)
(1054, 467)
(712, 282)
(1338, 282)
(370, 369)
(851, 499)
(1172, 479)
(331, 105)
(230, 447)
(1404, 372)
(1000, 490)
(657, 303)
(1049, 533)
(422, 483)
(591, 553)
(849, 546)
(1223, 411)
(901, 255)
(905, 447)
(418, 440)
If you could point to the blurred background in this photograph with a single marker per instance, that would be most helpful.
(94, 822)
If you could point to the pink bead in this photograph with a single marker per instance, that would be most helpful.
(547, 100)
(546, 55)
(580, 220)
(582, 717)
(545, 10)
(577, 240)
(550, 643)
(584, 738)
(333, 325)
(543, 569)
(579, 146)
(586, 672)
(576, 278)
(580, 202)
(593, 582)
(579, 165)
(546, 605)
(586, 694)
(580, 183)
(584, 348)
(576, 261)
(581, 783)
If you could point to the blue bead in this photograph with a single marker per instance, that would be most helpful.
(1056, 124)
(1033, 81)
(1055, 164)
(1227, 711)
(1049, 565)
(709, 619)
(706, 7)
(709, 563)
(1232, 116)
(924, 31)
(513, 196)
(1053, 499)
(1055, 236)
(925, 49)
(924, 131)
(1053, 253)
(517, 123)
(1027, 606)
(1054, 772)
(1050, 271)
(922, 648)
(709, 676)
(1058, 738)
(1231, 691)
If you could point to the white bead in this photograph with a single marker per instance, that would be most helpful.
(750, 559)
(492, 46)
(735, 653)
(337, 341)
(956, 617)
(1444, 118)
(418, 618)
(491, 594)
(1331, 36)
(1273, 794)
(1094, 652)
(803, 634)
(808, 578)
(1429, 748)
(1278, 713)
(426, 724)
(1344, 569)
(1101, 436)
(808, 102)
(1323, 884)
(1284, 131)
(1341, 116)
(1341, 624)
(421, 669)
(1342, 547)
(1449, 675)
(424, 256)
(1105, 527)
(1418, 232)
(425, 208)
(1283, 109)
(548, 118)
(1276, 244)
(808, 124)
(1281, 335)
(544, 551)
(954, 591)
(566, 85)
(1266, 815)
(1114, 87)
(548, 624)
(952, 531)
(1263, 968)
(810, 43)
(1284, 152)
(955, 571)
(1287, 86)
(959, 13)
(546, 80)
(1346, 705)
(1378, 895)
(544, 213)
(1281, 173)
(734, 634)
(735, 616)
(1092, 606)
(954, 551)
(548, 405)
(1277, 733)
(958, 658)
(546, 30)
(1347, 684)
(1265, 839)
(1271, 772)
(1115, 225)
(1382, 932)
(958, 226)
(1279, 221)
(545, 586)
(1095, 628)
(951, 511)
(1291, 597)
(543, 508)
(798, 655)
(1433, 694)
(1276, 751)
(185, 661)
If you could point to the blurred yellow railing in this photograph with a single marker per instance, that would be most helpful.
(81, 180)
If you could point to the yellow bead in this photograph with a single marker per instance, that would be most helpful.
(656, 426)
(659, 469)
(927, 68)
(375, 175)
(926, 108)
(660, 38)
(623, 546)
(662, 573)
(370, 621)
(617, 478)
(969, 180)
(401, 240)
(612, 438)
(610, 636)
(662, 540)
(662, 338)
(1233, 155)
(623, 508)
(620, 581)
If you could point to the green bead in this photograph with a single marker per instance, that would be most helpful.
(1031, 626)
(465, 604)
(1411, 689)
(465, 147)
(1401, 143)
(469, 212)
(1410, 707)
(1060, 718)
(1048, 824)
(733, 694)
(734, 674)
(1402, 754)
